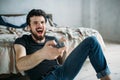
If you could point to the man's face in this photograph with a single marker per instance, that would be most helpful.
(37, 27)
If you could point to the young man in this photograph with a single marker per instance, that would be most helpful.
(37, 55)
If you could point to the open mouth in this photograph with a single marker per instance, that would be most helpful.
(40, 31)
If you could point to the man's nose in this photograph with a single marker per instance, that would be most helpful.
(39, 24)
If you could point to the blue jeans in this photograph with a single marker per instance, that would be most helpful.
(87, 48)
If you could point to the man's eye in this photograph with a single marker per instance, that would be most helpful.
(42, 22)
(36, 23)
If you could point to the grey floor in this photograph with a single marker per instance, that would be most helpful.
(112, 55)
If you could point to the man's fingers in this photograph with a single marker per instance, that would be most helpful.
(62, 49)
(51, 43)
(63, 39)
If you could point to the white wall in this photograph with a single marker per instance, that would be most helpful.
(65, 12)
(107, 18)
(103, 15)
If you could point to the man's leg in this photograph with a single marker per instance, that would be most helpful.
(88, 48)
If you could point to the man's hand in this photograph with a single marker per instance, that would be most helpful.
(50, 52)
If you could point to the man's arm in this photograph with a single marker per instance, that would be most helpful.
(25, 62)
(62, 58)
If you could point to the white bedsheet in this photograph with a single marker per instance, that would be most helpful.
(73, 35)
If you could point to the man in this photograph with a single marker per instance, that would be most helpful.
(37, 55)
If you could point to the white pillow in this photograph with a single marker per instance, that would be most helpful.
(16, 20)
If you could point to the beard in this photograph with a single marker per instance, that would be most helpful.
(38, 37)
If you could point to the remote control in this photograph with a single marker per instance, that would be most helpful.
(60, 45)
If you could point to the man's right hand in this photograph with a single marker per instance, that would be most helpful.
(50, 52)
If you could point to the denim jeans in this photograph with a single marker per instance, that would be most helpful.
(87, 48)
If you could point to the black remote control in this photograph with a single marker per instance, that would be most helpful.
(60, 45)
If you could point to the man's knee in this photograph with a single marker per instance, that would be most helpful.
(91, 39)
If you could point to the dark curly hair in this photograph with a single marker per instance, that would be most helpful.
(35, 12)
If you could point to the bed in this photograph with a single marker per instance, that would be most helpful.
(8, 33)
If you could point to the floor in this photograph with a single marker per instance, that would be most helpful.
(112, 55)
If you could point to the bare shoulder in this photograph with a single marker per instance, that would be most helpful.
(19, 50)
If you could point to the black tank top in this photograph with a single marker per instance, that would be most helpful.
(31, 46)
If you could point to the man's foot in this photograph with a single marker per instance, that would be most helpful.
(106, 78)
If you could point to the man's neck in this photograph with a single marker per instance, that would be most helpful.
(39, 41)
